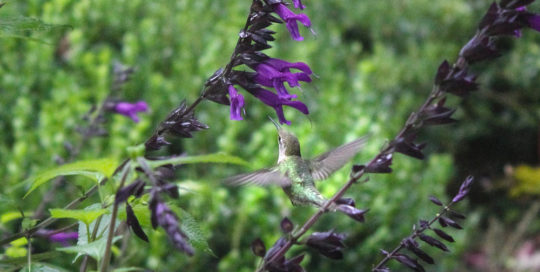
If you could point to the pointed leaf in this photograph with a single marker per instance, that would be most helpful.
(94, 169)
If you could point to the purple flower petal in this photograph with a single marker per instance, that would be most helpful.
(291, 19)
(131, 109)
(64, 237)
(274, 72)
(237, 103)
(298, 4)
(273, 100)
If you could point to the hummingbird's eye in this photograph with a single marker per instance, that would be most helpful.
(279, 139)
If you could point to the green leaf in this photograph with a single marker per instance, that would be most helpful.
(94, 169)
(94, 249)
(86, 216)
(210, 158)
(193, 230)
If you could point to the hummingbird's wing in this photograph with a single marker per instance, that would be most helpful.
(326, 164)
(263, 177)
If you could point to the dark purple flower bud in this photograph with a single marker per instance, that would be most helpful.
(327, 243)
(291, 19)
(131, 109)
(346, 201)
(435, 200)
(442, 72)
(277, 246)
(133, 222)
(423, 224)
(443, 235)
(460, 83)
(405, 145)
(258, 248)
(480, 49)
(237, 103)
(445, 221)
(298, 4)
(271, 99)
(381, 165)
(156, 142)
(64, 237)
(135, 188)
(438, 114)
(179, 123)
(456, 215)
(463, 189)
(432, 242)
(413, 246)
(353, 212)
(286, 225)
(408, 262)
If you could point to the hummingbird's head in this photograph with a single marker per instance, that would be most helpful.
(288, 143)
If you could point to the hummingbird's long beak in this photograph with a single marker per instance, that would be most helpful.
(278, 126)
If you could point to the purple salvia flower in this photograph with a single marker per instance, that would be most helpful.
(291, 19)
(131, 109)
(237, 103)
(64, 237)
(285, 66)
(533, 21)
(274, 72)
(298, 4)
(271, 99)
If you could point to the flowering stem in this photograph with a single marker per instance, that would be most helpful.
(412, 236)
(107, 255)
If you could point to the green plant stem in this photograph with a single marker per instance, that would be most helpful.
(107, 255)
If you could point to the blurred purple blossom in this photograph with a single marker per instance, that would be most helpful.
(58, 237)
(131, 109)
(291, 19)
(298, 4)
(237, 103)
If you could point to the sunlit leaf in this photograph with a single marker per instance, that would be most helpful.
(86, 216)
(94, 169)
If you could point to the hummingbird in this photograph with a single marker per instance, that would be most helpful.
(297, 175)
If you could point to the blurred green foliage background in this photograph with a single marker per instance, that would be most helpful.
(375, 60)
